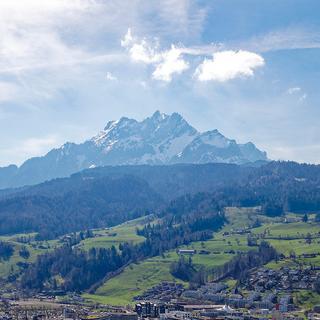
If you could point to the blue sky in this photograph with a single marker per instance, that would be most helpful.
(249, 68)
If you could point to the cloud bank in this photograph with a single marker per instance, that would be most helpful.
(224, 65)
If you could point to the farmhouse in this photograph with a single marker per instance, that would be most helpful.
(187, 251)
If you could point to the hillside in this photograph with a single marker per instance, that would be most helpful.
(288, 234)
(225, 245)
(107, 196)
(92, 203)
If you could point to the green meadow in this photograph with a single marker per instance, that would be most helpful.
(136, 278)
(108, 237)
(35, 248)
(225, 244)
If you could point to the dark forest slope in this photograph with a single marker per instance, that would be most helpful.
(110, 195)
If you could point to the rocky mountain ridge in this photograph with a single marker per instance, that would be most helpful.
(159, 139)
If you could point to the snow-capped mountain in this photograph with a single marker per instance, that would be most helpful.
(159, 139)
(155, 140)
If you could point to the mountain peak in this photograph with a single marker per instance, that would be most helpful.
(177, 116)
(126, 121)
(159, 139)
(110, 124)
(159, 115)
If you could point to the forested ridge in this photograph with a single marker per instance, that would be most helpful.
(110, 195)
(92, 204)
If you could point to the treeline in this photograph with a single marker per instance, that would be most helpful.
(280, 187)
(76, 237)
(107, 196)
(185, 270)
(6, 250)
(277, 187)
(239, 266)
(175, 230)
(80, 270)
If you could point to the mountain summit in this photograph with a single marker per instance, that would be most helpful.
(159, 139)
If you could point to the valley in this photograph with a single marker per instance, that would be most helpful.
(159, 160)
(232, 239)
(210, 234)
(222, 248)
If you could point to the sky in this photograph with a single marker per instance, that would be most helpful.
(248, 68)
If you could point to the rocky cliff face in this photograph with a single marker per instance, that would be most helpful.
(159, 139)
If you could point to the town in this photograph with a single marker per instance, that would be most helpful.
(276, 288)
(265, 294)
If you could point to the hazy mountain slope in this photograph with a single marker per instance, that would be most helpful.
(90, 203)
(109, 195)
(169, 181)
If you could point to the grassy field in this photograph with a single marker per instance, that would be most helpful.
(135, 279)
(104, 238)
(125, 232)
(307, 299)
(295, 229)
(225, 244)
(34, 247)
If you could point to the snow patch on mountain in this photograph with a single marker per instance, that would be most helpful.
(164, 139)
(158, 139)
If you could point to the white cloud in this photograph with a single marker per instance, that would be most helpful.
(171, 63)
(140, 50)
(46, 33)
(227, 65)
(30, 34)
(293, 90)
(284, 39)
(297, 93)
(166, 63)
(224, 65)
(127, 40)
(45, 48)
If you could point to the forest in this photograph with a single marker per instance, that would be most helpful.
(6, 250)
(104, 197)
(239, 266)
